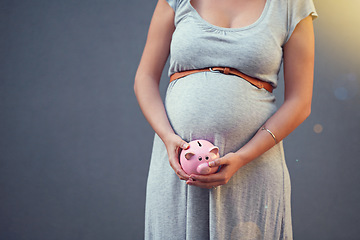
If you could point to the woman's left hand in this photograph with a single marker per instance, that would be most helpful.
(229, 163)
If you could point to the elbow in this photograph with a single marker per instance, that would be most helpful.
(145, 83)
(136, 85)
(307, 111)
(301, 110)
(135, 88)
(301, 107)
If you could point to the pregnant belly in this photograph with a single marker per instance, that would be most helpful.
(212, 105)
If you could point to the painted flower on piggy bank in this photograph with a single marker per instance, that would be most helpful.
(195, 159)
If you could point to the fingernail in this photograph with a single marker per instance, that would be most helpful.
(185, 145)
(211, 164)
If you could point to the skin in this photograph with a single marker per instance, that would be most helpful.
(298, 77)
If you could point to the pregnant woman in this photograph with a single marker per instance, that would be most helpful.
(225, 57)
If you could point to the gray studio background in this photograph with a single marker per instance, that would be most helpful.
(75, 147)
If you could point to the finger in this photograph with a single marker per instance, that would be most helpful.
(174, 163)
(211, 178)
(206, 178)
(217, 162)
(181, 173)
(202, 184)
(184, 145)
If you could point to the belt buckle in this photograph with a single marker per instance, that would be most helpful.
(214, 71)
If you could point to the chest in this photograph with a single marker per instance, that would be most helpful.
(255, 49)
(229, 13)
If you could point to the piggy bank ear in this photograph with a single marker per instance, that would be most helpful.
(189, 155)
(214, 150)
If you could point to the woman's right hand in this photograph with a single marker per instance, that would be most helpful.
(174, 144)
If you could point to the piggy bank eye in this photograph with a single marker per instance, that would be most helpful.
(200, 158)
(206, 158)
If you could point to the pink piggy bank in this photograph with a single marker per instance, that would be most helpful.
(195, 159)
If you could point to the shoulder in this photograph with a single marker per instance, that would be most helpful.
(298, 10)
(174, 4)
(301, 6)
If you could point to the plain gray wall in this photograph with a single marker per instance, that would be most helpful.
(75, 147)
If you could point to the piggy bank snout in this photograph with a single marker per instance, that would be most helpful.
(203, 168)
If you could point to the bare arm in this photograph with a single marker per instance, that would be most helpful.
(147, 80)
(298, 75)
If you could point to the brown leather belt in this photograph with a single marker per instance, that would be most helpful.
(226, 70)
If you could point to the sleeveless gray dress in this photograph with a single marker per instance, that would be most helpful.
(227, 111)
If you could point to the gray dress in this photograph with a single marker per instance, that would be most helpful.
(227, 111)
